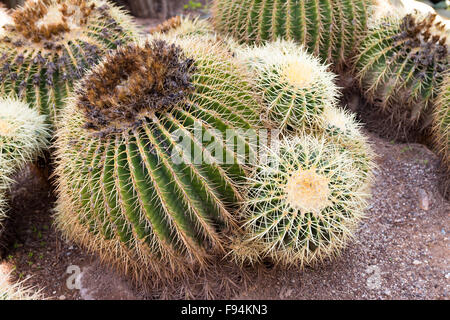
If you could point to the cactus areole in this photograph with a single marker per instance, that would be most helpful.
(49, 44)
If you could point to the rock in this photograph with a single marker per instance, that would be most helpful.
(416, 262)
(424, 201)
(63, 297)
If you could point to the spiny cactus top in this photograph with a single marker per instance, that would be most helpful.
(296, 87)
(301, 205)
(401, 63)
(23, 135)
(137, 182)
(51, 43)
(329, 29)
(441, 122)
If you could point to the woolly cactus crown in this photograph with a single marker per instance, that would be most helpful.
(51, 43)
(302, 204)
(296, 87)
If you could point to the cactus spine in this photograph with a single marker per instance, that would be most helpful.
(400, 66)
(303, 203)
(122, 191)
(296, 87)
(441, 126)
(329, 29)
(51, 43)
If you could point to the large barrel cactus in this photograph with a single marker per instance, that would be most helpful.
(295, 86)
(441, 127)
(329, 29)
(51, 43)
(401, 64)
(303, 203)
(137, 183)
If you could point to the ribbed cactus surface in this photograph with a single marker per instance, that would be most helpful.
(51, 43)
(127, 189)
(328, 28)
(401, 64)
(295, 86)
(303, 203)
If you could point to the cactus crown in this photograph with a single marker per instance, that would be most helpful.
(132, 84)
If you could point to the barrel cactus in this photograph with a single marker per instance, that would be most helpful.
(303, 203)
(295, 86)
(441, 126)
(137, 185)
(329, 29)
(51, 43)
(341, 127)
(400, 67)
(23, 135)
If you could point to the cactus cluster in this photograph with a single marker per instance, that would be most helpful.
(303, 203)
(401, 64)
(295, 86)
(126, 189)
(51, 43)
(328, 29)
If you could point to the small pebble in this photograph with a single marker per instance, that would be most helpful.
(63, 297)
(417, 262)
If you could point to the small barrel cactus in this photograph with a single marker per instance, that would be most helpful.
(303, 203)
(341, 127)
(17, 291)
(295, 86)
(51, 43)
(400, 67)
(441, 127)
(329, 29)
(23, 135)
(127, 190)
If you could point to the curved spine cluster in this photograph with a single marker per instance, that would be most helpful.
(401, 64)
(303, 203)
(51, 43)
(295, 86)
(328, 29)
(127, 190)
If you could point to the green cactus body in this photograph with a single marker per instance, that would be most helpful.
(295, 86)
(303, 203)
(122, 193)
(23, 135)
(441, 125)
(329, 29)
(51, 43)
(400, 66)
